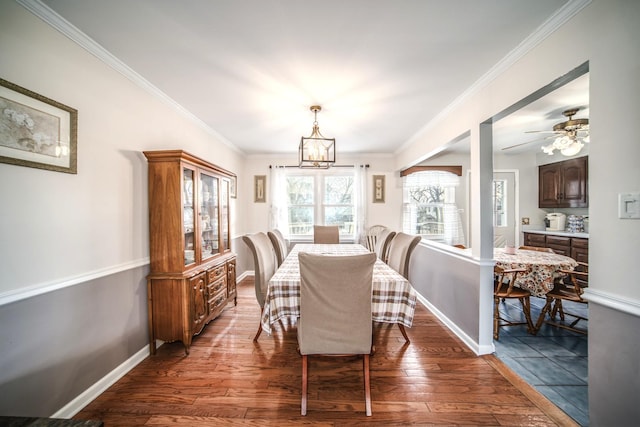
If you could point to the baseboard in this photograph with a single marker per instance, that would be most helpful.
(90, 394)
(473, 345)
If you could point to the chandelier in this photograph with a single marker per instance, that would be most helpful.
(316, 151)
(572, 135)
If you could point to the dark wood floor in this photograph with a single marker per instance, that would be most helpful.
(230, 380)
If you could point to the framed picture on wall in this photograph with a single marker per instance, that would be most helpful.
(260, 188)
(378, 188)
(35, 131)
(233, 186)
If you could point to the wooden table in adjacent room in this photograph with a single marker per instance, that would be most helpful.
(542, 268)
(393, 299)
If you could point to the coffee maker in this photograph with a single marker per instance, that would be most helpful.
(555, 221)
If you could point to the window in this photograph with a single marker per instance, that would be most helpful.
(430, 206)
(499, 203)
(322, 199)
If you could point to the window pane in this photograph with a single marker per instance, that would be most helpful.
(301, 220)
(300, 190)
(338, 190)
(340, 215)
(499, 203)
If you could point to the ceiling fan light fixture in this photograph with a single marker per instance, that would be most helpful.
(573, 149)
(316, 151)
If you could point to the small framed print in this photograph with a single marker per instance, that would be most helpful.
(233, 186)
(260, 188)
(378, 188)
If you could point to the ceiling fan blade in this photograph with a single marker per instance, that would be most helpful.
(541, 131)
(522, 143)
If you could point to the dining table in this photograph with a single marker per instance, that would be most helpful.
(542, 268)
(393, 299)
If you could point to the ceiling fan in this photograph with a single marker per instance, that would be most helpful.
(568, 136)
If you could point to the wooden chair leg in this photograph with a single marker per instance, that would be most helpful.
(526, 309)
(258, 333)
(496, 318)
(303, 404)
(367, 386)
(404, 333)
(546, 309)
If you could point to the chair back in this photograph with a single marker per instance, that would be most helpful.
(335, 304)
(326, 234)
(400, 250)
(504, 280)
(371, 236)
(279, 245)
(264, 261)
(537, 249)
(382, 243)
(576, 280)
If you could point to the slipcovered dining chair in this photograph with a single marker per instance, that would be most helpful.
(264, 261)
(399, 255)
(382, 243)
(570, 287)
(279, 245)
(503, 288)
(326, 234)
(330, 324)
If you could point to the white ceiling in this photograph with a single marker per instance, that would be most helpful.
(382, 70)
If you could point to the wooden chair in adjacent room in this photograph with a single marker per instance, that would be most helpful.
(330, 324)
(326, 234)
(279, 245)
(400, 249)
(569, 287)
(503, 288)
(264, 266)
(383, 242)
(537, 249)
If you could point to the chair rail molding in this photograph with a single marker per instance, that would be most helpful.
(616, 302)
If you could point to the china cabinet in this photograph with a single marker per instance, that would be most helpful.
(563, 184)
(192, 275)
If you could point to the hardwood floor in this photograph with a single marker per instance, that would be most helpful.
(230, 380)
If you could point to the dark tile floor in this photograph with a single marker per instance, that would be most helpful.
(554, 361)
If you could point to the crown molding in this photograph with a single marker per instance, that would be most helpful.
(562, 15)
(56, 21)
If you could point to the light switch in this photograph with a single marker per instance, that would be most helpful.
(629, 205)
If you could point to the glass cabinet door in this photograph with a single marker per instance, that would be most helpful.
(224, 213)
(188, 220)
(209, 232)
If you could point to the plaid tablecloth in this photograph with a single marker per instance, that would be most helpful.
(542, 268)
(393, 299)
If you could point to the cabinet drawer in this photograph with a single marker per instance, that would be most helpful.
(216, 273)
(216, 287)
(559, 241)
(532, 239)
(217, 295)
(577, 242)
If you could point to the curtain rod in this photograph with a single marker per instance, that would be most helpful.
(333, 166)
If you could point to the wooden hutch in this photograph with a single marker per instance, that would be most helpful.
(193, 274)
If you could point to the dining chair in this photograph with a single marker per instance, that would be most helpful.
(326, 234)
(568, 287)
(383, 241)
(371, 236)
(330, 324)
(279, 245)
(537, 249)
(264, 266)
(400, 250)
(503, 288)
(460, 246)
(399, 254)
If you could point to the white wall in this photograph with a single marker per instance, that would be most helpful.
(56, 227)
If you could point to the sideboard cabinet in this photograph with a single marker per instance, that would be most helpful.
(192, 275)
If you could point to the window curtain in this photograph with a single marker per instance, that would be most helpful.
(360, 187)
(278, 214)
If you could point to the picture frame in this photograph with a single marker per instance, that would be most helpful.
(233, 187)
(36, 131)
(378, 188)
(260, 188)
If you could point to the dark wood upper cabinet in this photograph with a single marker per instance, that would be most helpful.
(564, 184)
